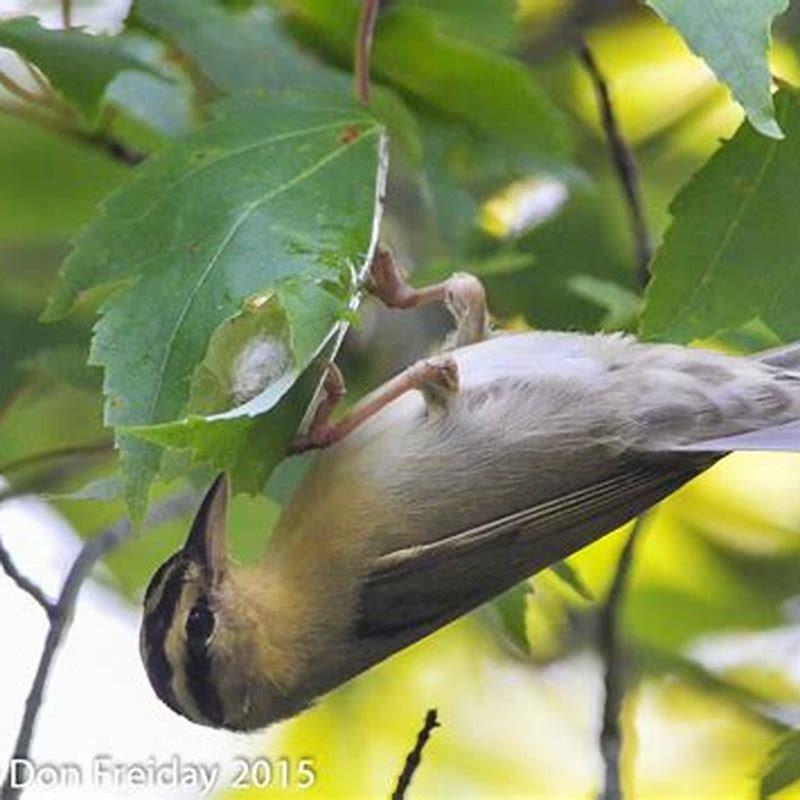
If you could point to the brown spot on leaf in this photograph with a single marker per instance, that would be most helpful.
(349, 134)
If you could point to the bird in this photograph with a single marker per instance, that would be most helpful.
(463, 475)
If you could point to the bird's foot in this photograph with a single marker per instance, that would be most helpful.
(462, 294)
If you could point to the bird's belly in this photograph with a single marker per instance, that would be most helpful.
(500, 446)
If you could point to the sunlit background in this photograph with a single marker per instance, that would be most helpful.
(712, 618)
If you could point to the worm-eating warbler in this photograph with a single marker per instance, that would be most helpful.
(505, 456)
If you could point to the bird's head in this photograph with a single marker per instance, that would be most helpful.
(200, 639)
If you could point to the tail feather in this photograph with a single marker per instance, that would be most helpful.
(784, 437)
(778, 434)
(786, 356)
(777, 437)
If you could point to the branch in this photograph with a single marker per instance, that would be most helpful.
(118, 150)
(11, 86)
(366, 32)
(614, 679)
(566, 33)
(610, 645)
(50, 475)
(414, 758)
(98, 139)
(24, 583)
(91, 552)
(624, 164)
(94, 449)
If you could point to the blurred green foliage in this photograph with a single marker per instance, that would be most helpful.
(78, 66)
(500, 166)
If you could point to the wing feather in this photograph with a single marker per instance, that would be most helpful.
(412, 591)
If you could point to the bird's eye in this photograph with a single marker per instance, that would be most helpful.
(199, 624)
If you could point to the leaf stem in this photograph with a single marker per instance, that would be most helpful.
(366, 32)
(66, 13)
(102, 141)
(414, 758)
(624, 164)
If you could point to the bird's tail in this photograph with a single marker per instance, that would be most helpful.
(785, 437)
(786, 356)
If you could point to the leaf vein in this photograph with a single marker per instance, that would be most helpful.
(684, 310)
(282, 137)
(227, 239)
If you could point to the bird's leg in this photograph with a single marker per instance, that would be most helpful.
(436, 378)
(463, 295)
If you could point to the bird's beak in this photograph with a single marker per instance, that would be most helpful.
(207, 544)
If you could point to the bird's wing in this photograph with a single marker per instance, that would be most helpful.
(410, 592)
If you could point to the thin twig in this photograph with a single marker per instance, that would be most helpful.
(36, 483)
(43, 85)
(613, 656)
(24, 583)
(610, 644)
(566, 32)
(96, 448)
(91, 552)
(66, 13)
(366, 32)
(624, 164)
(119, 151)
(414, 758)
(102, 141)
(11, 86)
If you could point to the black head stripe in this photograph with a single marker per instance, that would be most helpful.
(198, 675)
(157, 624)
(155, 581)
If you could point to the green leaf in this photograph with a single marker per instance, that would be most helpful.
(490, 23)
(78, 65)
(733, 37)
(494, 95)
(589, 237)
(239, 51)
(28, 348)
(151, 110)
(651, 662)
(622, 306)
(49, 185)
(65, 363)
(569, 575)
(250, 447)
(730, 591)
(511, 609)
(783, 766)
(280, 189)
(258, 361)
(51, 435)
(733, 250)
(463, 168)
